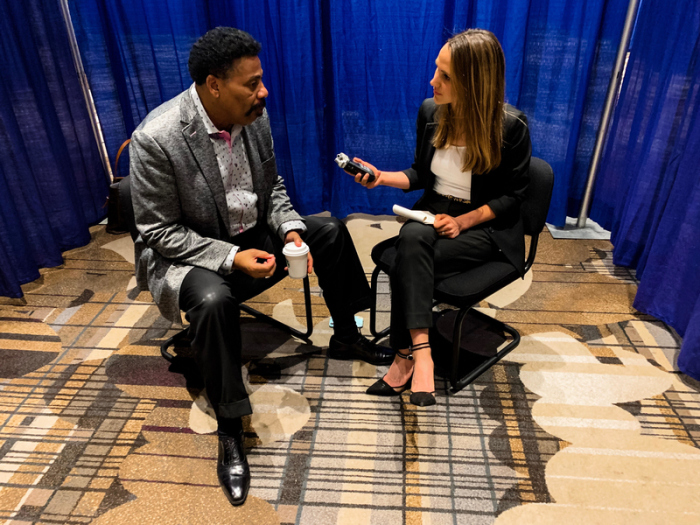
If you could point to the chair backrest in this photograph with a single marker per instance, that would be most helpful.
(535, 206)
(538, 195)
(126, 207)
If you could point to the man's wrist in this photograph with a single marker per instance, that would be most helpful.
(229, 263)
(287, 238)
(293, 225)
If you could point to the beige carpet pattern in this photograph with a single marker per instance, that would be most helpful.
(584, 423)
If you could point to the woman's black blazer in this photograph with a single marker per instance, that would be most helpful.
(502, 188)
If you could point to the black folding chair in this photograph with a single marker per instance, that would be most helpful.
(469, 288)
(180, 339)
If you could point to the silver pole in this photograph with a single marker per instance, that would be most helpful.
(610, 99)
(87, 95)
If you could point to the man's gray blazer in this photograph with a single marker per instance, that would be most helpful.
(179, 199)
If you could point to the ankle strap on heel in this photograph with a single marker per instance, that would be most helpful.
(408, 356)
(411, 349)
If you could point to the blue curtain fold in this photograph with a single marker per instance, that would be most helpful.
(648, 189)
(292, 36)
(349, 76)
(135, 57)
(52, 182)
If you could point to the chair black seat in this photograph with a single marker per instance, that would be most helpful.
(471, 286)
(384, 253)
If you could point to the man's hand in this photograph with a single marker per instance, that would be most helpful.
(362, 179)
(294, 237)
(446, 226)
(255, 263)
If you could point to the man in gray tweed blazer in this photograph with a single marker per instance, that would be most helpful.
(213, 216)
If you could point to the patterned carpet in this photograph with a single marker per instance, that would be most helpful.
(584, 423)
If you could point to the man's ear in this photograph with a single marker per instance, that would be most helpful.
(212, 84)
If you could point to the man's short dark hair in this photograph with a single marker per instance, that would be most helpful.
(215, 52)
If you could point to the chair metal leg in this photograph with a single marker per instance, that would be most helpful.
(309, 317)
(459, 384)
(373, 309)
(456, 342)
(172, 341)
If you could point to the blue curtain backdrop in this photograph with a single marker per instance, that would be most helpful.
(648, 190)
(52, 183)
(349, 75)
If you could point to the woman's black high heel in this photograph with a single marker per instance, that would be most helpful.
(421, 399)
(382, 388)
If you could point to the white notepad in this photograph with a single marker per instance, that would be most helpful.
(417, 215)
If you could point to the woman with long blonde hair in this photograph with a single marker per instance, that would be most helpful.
(472, 158)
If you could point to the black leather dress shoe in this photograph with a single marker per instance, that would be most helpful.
(232, 468)
(364, 350)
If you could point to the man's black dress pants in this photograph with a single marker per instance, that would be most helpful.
(211, 301)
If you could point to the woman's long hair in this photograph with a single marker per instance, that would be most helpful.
(478, 91)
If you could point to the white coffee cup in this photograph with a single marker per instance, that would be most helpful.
(296, 259)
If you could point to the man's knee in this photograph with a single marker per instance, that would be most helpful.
(215, 301)
(326, 231)
(332, 228)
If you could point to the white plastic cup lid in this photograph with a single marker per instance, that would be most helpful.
(292, 250)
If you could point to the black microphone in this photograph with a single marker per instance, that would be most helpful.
(343, 161)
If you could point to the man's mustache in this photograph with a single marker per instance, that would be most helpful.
(255, 107)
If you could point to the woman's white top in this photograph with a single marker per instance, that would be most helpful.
(449, 177)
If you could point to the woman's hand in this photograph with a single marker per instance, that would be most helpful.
(392, 179)
(446, 226)
(363, 179)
